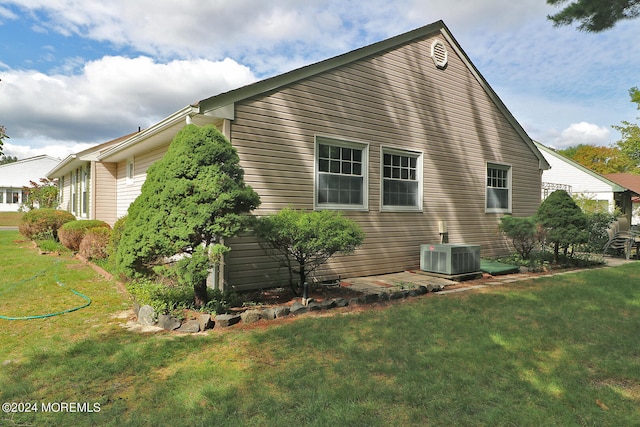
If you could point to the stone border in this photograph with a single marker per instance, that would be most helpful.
(146, 315)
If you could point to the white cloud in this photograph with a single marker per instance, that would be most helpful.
(59, 149)
(582, 133)
(109, 95)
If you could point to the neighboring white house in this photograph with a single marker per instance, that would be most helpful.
(14, 177)
(579, 181)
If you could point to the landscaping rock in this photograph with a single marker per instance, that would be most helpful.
(205, 322)
(370, 298)
(314, 306)
(298, 308)
(147, 315)
(341, 302)
(190, 326)
(422, 290)
(281, 311)
(413, 293)
(328, 304)
(396, 295)
(434, 288)
(168, 322)
(383, 296)
(226, 320)
(251, 316)
(268, 314)
(354, 301)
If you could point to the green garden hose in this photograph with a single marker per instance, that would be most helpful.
(43, 316)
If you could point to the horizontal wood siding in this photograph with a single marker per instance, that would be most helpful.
(127, 190)
(105, 187)
(396, 99)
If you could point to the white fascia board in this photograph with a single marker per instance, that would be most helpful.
(172, 120)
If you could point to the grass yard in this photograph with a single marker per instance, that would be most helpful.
(10, 219)
(556, 351)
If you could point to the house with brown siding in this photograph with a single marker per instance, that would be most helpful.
(402, 136)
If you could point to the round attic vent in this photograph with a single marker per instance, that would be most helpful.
(439, 54)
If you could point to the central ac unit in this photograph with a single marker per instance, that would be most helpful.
(450, 258)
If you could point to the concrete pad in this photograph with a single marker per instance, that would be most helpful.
(394, 281)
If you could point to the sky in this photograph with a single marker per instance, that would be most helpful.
(78, 73)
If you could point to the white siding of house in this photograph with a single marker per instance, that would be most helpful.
(581, 182)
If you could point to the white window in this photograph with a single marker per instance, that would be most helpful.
(74, 191)
(13, 196)
(341, 174)
(498, 199)
(85, 190)
(130, 171)
(401, 180)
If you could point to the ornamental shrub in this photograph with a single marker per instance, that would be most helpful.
(564, 223)
(522, 231)
(302, 241)
(94, 243)
(72, 233)
(191, 199)
(39, 223)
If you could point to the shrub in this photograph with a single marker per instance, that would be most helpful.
(71, 233)
(114, 239)
(563, 221)
(192, 198)
(175, 298)
(44, 222)
(302, 241)
(597, 225)
(522, 232)
(94, 243)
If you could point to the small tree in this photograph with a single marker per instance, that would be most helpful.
(563, 220)
(522, 232)
(302, 241)
(192, 198)
(43, 195)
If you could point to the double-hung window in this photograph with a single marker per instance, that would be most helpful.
(401, 180)
(498, 198)
(341, 174)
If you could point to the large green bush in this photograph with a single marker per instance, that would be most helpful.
(192, 198)
(72, 233)
(302, 241)
(39, 223)
(564, 223)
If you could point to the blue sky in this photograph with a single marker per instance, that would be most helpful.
(75, 74)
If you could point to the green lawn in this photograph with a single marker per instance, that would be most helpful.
(557, 351)
(10, 219)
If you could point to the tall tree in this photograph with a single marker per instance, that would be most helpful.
(630, 132)
(602, 160)
(594, 15)
(192, 198)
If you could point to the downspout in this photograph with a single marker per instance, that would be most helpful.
(226, 131)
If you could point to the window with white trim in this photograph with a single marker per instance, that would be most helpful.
(401, 180)
(130, 171)
(341, 174)
(498, 197)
